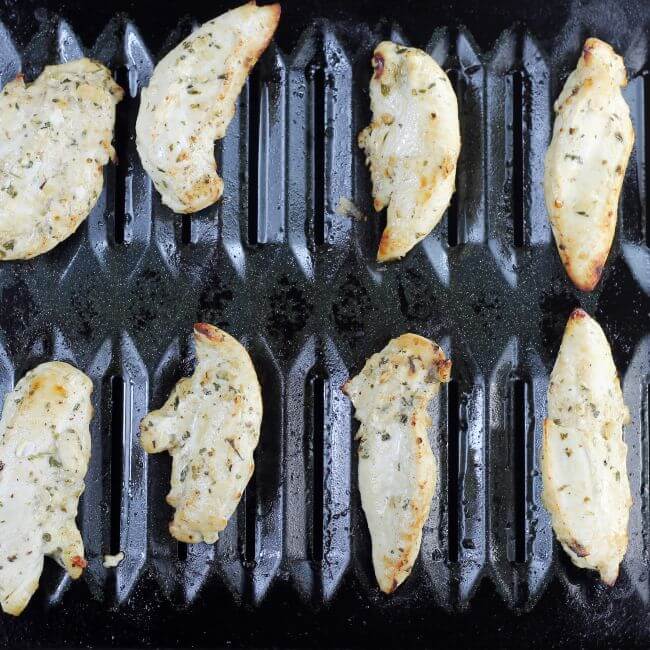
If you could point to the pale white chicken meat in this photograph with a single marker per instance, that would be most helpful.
(411, 145)
(397, 469)
(586, 162)
(586, 487)
(55, 138)
(191, 99)
(210, 425)
(44, 454)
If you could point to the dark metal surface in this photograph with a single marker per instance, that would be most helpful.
(275, 265)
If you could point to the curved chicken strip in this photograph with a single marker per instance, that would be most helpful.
(191, 99)
(210, 425)
(397, 469)
(412, 145)
(586, 162)
(44, 454)
(55, 138)
(586, 488)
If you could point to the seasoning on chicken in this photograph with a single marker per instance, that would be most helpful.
(55, 138)
(44, 455)
(586, 162)
(397, 469)
(586, 487)
(411, 146)
(210, 425)
(191, 99)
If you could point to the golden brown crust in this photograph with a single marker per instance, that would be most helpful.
(274, 10)
(578, 314)
(589, 281)
(386, 247)
(210, 332)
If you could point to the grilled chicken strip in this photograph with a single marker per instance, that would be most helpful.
(411, 146)
(397, 469)
(586, 488)
(191, 99)
(44, 454)
(210, 425)
(55, 138)
(586, 162)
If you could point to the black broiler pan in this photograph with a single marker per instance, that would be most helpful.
(276, 265)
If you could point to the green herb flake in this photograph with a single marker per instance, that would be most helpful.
(577, 159)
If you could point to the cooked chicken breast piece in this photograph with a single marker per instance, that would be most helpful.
(55, 138)
(586, 487)
(191, 99)
(411, 146)
(210, 425)
(44, 454)
(397, 470)
(586, 162)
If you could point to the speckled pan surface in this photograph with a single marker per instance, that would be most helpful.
(276, 266)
